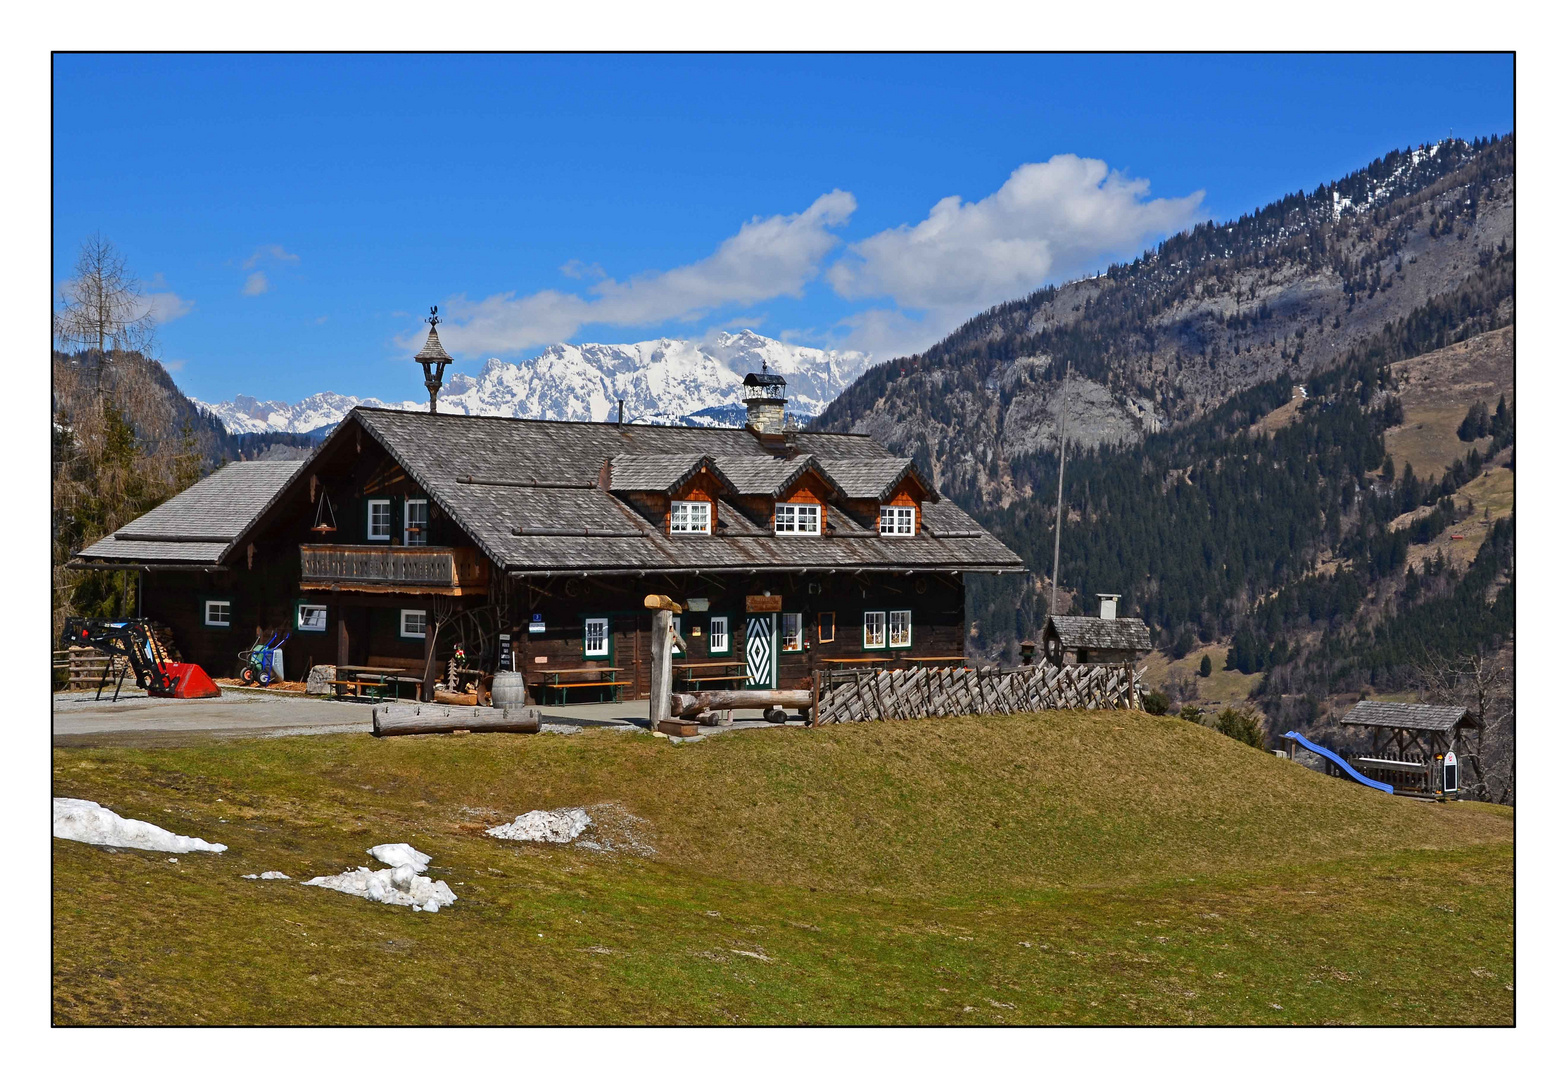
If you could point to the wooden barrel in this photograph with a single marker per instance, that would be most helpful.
(508, 689)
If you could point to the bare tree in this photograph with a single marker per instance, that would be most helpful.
(102, 306)
(1482, 682)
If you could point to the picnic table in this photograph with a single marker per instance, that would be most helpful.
(563, 679)
(696, 672)
(370, 682)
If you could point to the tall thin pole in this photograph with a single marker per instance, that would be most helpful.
(1061, 472)
(1056, 559)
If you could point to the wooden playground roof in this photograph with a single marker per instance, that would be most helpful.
(1399, 714)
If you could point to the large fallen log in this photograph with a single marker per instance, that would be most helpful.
(711, 700)
(426, 719)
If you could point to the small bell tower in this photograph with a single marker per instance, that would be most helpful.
(433, 359)
(763, 393)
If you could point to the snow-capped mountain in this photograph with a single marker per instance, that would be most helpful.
(663, 381)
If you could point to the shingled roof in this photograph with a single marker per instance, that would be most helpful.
(1399, 714)
(200, 523)
(472, 465)
(1087, 632)
(654, 472)
(873, 478)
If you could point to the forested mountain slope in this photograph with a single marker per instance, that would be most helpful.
(1294, 436)
(1160, 341)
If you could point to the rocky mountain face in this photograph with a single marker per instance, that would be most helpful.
(1160, 341)
(662, 381)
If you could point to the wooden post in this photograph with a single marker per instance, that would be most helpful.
(659, 684)
(659, 669)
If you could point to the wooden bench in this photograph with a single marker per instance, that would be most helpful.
(614, 686)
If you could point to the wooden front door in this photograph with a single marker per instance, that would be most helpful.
(762, 651)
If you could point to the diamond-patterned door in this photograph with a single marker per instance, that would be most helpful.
(761, 652)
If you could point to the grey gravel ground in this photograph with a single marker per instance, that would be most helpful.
(138, 720)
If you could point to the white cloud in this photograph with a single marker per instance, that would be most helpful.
(883, 333)
(273, 252)
(767, 257)
(256, 284)
(1050, 219)
(165, 307)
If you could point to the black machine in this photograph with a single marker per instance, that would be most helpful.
(131, 640)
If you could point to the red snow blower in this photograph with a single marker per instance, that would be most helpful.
(155, 672)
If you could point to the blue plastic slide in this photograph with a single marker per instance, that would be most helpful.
(1350, 773)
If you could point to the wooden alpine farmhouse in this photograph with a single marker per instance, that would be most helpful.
(531, 544)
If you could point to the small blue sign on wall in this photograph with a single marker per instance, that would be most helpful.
(536, 624)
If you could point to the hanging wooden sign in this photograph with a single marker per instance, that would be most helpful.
(764, 603)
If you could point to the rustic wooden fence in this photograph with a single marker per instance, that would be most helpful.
(907, 694)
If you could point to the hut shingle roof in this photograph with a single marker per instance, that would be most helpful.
(1399, 714)
(1088, 632)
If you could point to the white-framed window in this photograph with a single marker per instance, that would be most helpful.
(797, 519)
(378, 519)
(875, 633)
(596, 637)
(900, 629)
(311, 618)
(216, 612)
(691, 517)
(719, 634)
(677, 637)
(792, 638)
(416, 521)
(411, 623)
(898, 521)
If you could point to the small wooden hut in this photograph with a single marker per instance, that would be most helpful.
(1420, 750)
(1083, 639)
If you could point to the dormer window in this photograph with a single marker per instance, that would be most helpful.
(691, 517)
(898, 521)
(797, 519)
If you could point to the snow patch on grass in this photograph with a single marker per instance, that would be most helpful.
(402, 885)
(399, 885)
(267, 875)
(89, 823)
(547, 826)
(400, 855)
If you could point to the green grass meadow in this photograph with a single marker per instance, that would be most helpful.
(1060, 868)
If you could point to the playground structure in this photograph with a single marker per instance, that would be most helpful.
(1426, 751)
(1421, 751)
(1335, 765)
(135, 644)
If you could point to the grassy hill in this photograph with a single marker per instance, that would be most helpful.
(1064, 867)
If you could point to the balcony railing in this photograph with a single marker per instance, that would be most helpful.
(384, 568)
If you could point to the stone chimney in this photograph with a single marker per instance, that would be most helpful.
(763, 393)
(1108, 604)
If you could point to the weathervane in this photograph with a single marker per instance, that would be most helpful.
(433, 356)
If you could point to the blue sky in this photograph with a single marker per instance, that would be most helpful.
(293, 216)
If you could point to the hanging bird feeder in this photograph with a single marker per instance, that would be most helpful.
(326, 520)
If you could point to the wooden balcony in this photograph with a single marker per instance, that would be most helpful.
(381, 568)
